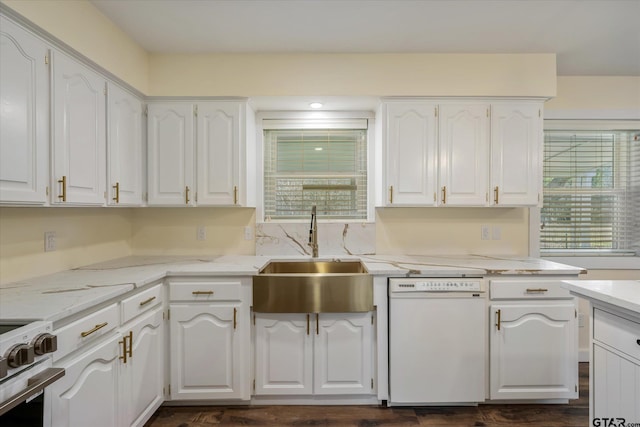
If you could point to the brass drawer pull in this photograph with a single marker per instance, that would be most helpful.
(308, 323)
(444, 195)
(202, 292)
(498, 319)
(147, 301)
(235, 195)
(317, 324)
(536, 290)
(127, 351)
(95, 328)
(186, 195)
(391, 195)
(496, 192)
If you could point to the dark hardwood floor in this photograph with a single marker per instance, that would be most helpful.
(575, 414)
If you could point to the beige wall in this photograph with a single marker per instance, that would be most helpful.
(385, 74)
(596, 93)
(83, 27)
(172, 231)
(83, 236)
(430, 231)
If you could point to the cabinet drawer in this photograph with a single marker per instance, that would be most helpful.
(205, 291)
(527, 289)
(141, 302)
(90, 327)
(619, 333)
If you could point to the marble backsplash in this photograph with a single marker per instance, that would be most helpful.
(333, 239)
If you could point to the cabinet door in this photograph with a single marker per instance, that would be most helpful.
(87, 395)
(516, 141)
(205, 348)
(284, 354)
(142, 374)
(533, 351)
(218, 153)
(24, 133)
(170, 141)
(464, 154)
(124, 147)
(79, 135)
(411, 154)
(615, 385)
(343, 354)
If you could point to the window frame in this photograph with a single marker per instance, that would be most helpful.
(309, 118)
(587, 120)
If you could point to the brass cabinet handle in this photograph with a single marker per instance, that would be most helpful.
(116, 187)
(536, 290)
(147, 301)
(186, 195)
(496, 192)
(202, 292)
(308, 323)
(235, 195)
(63, 181)
(498, 319)
(95, 328)
(444, 195)
(391, 195)
(317, 324)
(235, 317)
(127, 351)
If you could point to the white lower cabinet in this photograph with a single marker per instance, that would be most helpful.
(87, 395)
(209, 335)
(533, 341)
(141, 378)
(304, 354)
(615, 367)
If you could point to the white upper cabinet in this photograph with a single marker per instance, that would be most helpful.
(411, 150)
(170, 132)
(218, 159)
(24, 124)
(124, 147)
(516, 143)
(198, 153)
(79, 134)
(474, 153)
(464, 154)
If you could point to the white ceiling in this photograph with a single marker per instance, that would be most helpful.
(590, 37)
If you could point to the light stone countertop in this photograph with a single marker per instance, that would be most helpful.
(619, 293)
(60, 295)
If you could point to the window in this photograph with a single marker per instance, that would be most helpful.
(591, 192)
(322, 167)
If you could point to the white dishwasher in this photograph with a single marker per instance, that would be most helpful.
(437, 341)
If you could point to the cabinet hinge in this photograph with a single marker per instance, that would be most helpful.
(254, 322)
(105, 88)
(46, 60)
(575, 312)
(486, 196)
(195, 110)
(435, 111)
(254, 385)
(196, 197)
(47, 190)
(539, 113)
(372, 319)
(372, 383)
(487, 112)
(146, 110)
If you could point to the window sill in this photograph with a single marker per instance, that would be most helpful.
(608, 262)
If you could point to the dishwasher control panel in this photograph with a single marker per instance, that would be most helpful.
(435, 285)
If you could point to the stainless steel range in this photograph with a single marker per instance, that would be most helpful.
(25, 367)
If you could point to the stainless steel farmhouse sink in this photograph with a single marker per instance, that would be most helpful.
(313, 287)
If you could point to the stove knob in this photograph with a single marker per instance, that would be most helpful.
(45, 343)
(19, 355)
(4, 367)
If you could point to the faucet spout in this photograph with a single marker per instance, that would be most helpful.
(313, 233)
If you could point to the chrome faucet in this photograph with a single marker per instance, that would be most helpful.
(313, 232)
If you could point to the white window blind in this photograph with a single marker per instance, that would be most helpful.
(591, 192)
(322, 167)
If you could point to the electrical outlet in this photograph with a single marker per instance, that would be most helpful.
(485, 232)
(49, 241)
(248, 233)
(201, 233)
(496, 233)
